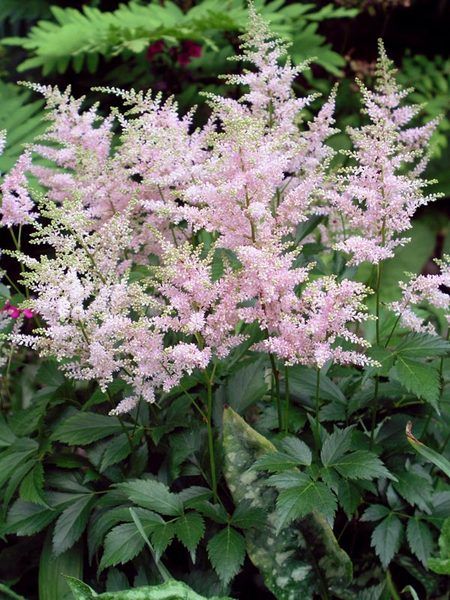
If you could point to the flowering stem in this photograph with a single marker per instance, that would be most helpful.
(287, 400)
(392, 330)
(377, 299)
(377, 380)
(276, 379)
(212, 459)
(317, 427)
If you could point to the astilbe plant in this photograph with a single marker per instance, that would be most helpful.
(248, 178)
(172, 254)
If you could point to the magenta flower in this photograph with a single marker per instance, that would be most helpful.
(13, 311)
(189, 50)
(154, 49)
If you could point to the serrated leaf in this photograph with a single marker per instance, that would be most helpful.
(71, 523)
(19, 452)
(191, 495)
(360, 464)
(162, 536)
(226, 551)
(423, 345)
(154, 495)
(7, 436)
(246, 516)
(419, 539)
(286, 480)
(103, 521)
(386, 538)
(415, 489)
(297, 449)
(122, 544)
(418, 378)
(295, 503)
(275, 461)
(375, 512)
(190, 528)
(85, 427)
(335, 446)
(32, 486)
(349, 497)
(215, 512)
(26, 518)
(117, 450)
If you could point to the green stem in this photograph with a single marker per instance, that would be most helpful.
(377, 299)
(122, 424)
(391, 587)
(392, 330)
(377, 381)
(317, 403)
(287, 400)
(212, 458)
(374, 411)
(276, 378)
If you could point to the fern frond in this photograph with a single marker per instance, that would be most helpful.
(23, 119)
(78, 38)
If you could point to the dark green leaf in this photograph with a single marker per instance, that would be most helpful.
(297, 449)
(246, 516)
(386, 538)
(419, 539)
(190, 528)
(275, 461)
(162, 536)
(153, 495)
(349, 497)
(375, 512)
(335, 446)
(25, 518)
(122, 544)
(19, 452)
(32, 486)
(84, 428)
(418, 378)
(71, 524)
(415, 489)
(7, 437)
(360, 464)
(117, 450)
(226, 551)
(297, 502)
(422, 345)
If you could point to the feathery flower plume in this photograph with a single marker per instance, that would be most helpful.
(424, 290)
(376, 198)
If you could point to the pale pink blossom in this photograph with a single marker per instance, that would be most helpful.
(424, 290)
(17, 205)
